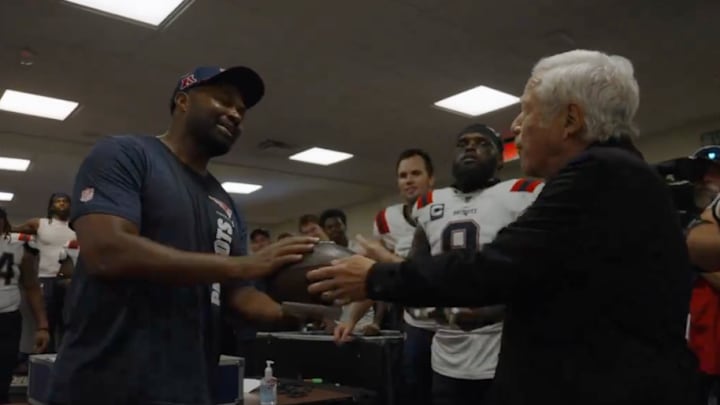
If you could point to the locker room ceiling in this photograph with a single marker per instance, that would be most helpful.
(358, 77)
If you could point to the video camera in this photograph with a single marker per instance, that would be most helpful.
(688, 179)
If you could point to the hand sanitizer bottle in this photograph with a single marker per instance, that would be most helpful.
(268, 386)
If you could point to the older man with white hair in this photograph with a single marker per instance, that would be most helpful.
(594, 274)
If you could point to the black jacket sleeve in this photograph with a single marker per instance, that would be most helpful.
(527, 252)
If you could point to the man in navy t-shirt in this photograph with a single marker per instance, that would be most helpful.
(159, 235)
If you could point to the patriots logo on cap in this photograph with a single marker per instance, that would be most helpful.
(187, 81)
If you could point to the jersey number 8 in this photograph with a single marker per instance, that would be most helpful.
(7, 267)
(461, 235)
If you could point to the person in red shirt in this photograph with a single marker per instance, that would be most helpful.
(704, 319)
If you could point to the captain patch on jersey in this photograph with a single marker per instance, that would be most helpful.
(451, 220)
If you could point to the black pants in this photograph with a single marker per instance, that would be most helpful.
(710, 386)
(417, 371)
(54, 296)
(453, 391)
(10, 330)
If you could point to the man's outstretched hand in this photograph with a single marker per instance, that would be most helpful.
(281, 253)
(343, 281)
(375, 250)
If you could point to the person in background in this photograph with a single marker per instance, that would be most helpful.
(595, 274)
(259, 239)
(394, 227)
(309, 225)
(51, 234)
(467, 216)
(703, 237)
(18, 271)
(334, 223)
(703, 240)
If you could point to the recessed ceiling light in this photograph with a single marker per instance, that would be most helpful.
(240, 188)
(320, 156)
(6, 196)
(477, 101)
(12, 164)
(151, 12)
(36, 105)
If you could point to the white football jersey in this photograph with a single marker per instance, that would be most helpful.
(397, 234)
(455, 220)
(394, 230)
(51, 238)
(12, 249)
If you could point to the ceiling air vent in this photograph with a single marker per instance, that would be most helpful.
(277, 148)
(710, 138)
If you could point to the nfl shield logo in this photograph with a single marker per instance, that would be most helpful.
(87, 194)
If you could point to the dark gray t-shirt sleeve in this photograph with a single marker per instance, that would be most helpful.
(110, 180)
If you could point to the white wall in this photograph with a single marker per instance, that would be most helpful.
(670, 144)
(360, 216)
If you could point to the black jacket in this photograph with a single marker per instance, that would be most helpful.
(596, 280)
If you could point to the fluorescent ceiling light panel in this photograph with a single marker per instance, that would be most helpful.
(15, 165)
(240, 188)
(320, 156)
(477, 101)
(6, 196)
(36, 105)
(151, 12)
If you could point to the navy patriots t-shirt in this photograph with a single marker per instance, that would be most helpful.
(139, 342)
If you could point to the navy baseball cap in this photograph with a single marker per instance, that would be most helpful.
(246, 80)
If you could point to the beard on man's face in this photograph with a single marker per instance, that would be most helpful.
(62, 214)
(469, 176)
(214, 141)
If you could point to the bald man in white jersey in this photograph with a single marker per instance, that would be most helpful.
(466, 216)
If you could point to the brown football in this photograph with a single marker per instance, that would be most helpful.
(290, 282)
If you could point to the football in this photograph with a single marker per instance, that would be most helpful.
(290, 282)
